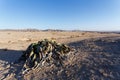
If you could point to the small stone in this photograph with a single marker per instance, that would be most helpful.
(101, 70)
(105, 74)
(8, 66)
(92, 71)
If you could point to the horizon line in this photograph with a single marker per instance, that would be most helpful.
(35, 29)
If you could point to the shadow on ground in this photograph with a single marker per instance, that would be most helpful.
(10, 55)
(102, 60)
(10, 71)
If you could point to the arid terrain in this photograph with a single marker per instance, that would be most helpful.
(96, 55)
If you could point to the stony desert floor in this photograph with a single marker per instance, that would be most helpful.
(96, 55)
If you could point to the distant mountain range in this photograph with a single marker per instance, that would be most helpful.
(58, 30)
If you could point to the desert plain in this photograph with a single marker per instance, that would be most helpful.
(96, 55)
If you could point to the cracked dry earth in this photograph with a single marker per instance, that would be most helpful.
(93, 59)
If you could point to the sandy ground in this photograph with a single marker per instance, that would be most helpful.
(96, 55)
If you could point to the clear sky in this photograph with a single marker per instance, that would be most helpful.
(60, 14)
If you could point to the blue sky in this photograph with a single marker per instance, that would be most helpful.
(60, 14)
